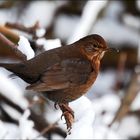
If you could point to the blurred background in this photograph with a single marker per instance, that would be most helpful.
(36, 26)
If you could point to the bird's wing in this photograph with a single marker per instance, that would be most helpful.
(62, 75)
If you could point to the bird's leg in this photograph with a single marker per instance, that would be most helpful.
(55, 105)
(68, 114)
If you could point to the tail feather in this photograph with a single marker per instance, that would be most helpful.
(8, 66)
(13, 67)
(20, 70)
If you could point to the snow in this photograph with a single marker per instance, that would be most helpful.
(26, 127)
(103, 132)
(25, 48)
(40, 32)
(65, 26)
(91, 116)
(110, 77)
(116, 33)
(49, 43)
(138, 4)
(2, 131)
(5, 16)
(91, 9)
(109, 103)
(112, 30)
(12, 112)
(43, 11)
(51, 114)
(113, 10)
(136, 103)
(13, 92)
(131, 21)
(129, 127)
(8, 131)
(87, 125)
(35, 98)
(84, 118)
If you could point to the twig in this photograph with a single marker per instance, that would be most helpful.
(29, 30)
(40, 122)
(14, 47)
(6, 4)
(9, 34)
(45, 130)
(4, 116)
(128, 99)
(86, 22)
(121, 70)
(135, 112)
(131, 93)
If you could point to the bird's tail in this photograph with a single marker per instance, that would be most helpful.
(19, 70)
(8, 66)
(5, 65)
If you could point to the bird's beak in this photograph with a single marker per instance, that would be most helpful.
(111, 49)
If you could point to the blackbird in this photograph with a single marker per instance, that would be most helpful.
(65, 73)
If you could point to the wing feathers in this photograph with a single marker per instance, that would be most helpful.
(62, 75)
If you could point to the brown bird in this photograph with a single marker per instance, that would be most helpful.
(63, 74)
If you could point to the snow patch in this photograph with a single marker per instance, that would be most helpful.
(84, 118)
(13, 92)
(24, 47)
(40, 32)
(129, 127)
(49, 43)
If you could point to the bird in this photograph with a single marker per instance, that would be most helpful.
(63, 74)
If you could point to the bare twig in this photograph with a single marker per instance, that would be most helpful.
(21, 27)
(128, 99)
(86, 22)
(9, 34)
(39, 120)
(6, 4)
(121, 70)
(131, 93)
(4, 116)
(45, 130)
(13, 47)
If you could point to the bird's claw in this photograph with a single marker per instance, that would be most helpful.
(69, 120)
(68, 114)
(63, 115)
(55, 106)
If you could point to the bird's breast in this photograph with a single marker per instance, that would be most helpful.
(73, 92)
(92, 77)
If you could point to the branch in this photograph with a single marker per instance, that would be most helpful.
(89, 15)
(120, 71)
(12, 46)
(9, 34)
(30, 30)
(6, 4)
(39, 120)
(4, 116)
(128, 99)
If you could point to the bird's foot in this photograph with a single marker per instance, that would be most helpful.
(55, 105)
(68, 114)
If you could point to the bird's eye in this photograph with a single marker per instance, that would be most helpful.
(96, 46)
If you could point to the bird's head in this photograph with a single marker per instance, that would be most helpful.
(94, 47)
